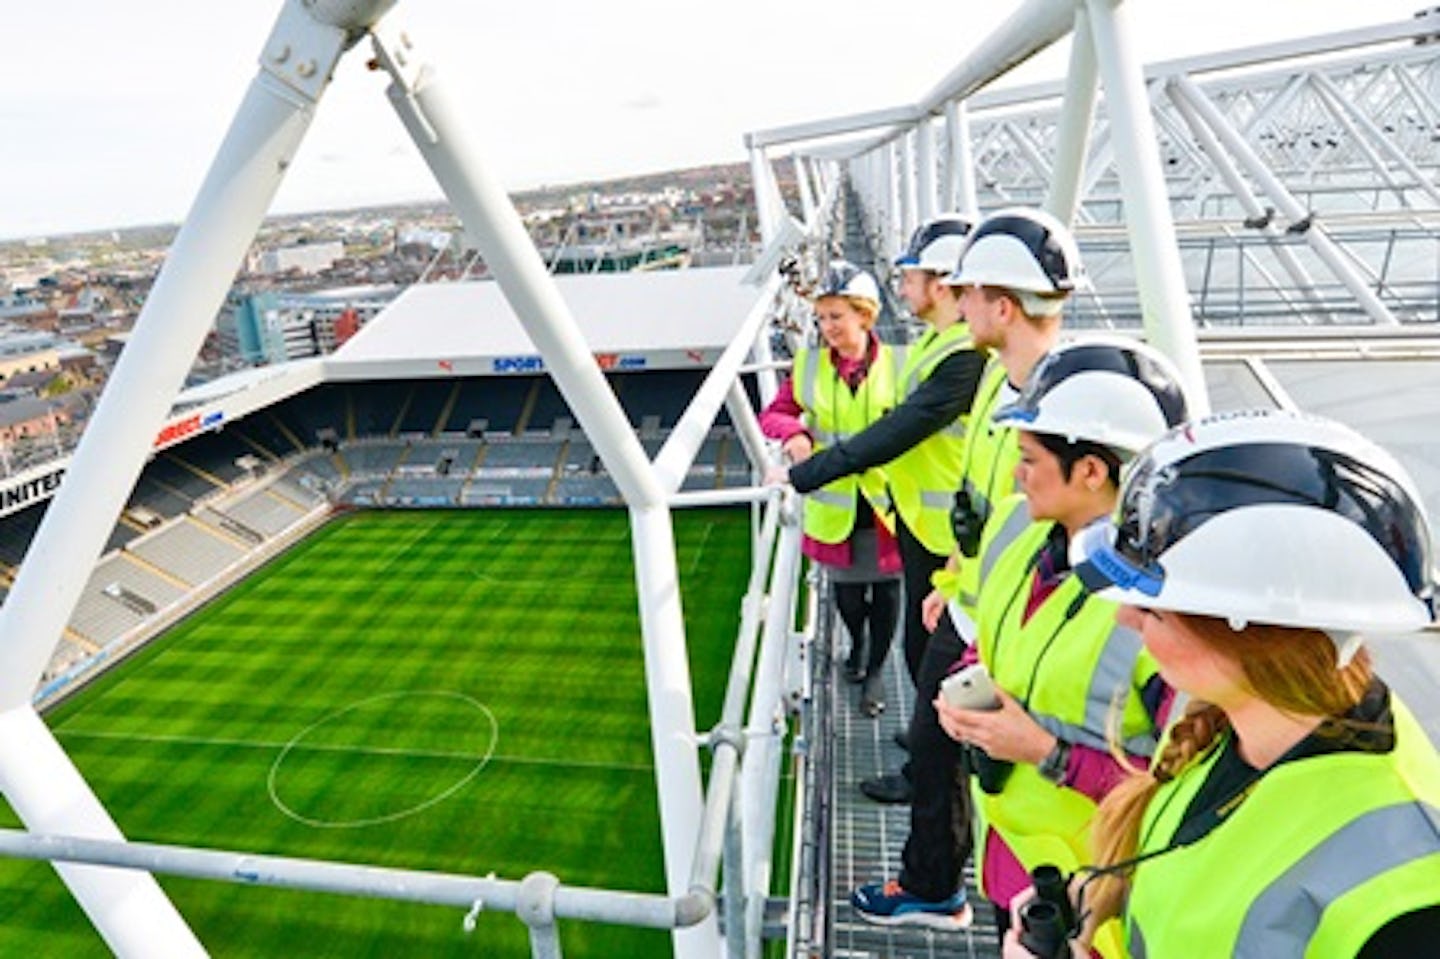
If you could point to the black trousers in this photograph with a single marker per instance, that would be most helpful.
(940, 839)
(918, 564)
(876, 604)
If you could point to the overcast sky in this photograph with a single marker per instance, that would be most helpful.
(112, 111)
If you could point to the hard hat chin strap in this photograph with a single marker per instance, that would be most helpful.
(1347, 644)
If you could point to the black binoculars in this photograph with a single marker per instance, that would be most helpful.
(1047, 922)
(967, 523)
(989, 773)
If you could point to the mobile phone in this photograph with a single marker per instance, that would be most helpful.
(970, 688)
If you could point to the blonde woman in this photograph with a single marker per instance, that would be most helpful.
(834, 392)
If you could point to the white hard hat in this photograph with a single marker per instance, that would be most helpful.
(1119, 393)
(1267, 517)
(1019, 248)
(935, 246)
(844, 278)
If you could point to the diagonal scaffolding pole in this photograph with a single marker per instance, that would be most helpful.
(128, 908)
(495, 228)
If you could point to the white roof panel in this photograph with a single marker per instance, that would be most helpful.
(666, 319)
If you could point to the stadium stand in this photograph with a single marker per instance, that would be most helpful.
(225, 523)
(269, 511)
(152, 496)
(266, 435)
(208, 507)
(662, 393)
(545, 408)
(371, 457)
(189, 551)
(377, 407)
(166, 472)
(428, 403)
(19, 528)
(528, 453)
(326, 407)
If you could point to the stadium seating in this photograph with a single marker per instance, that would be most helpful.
(205, 511)
(268, 512)
(371, 457)
(547, 407)
(190, 552)
(428, 400)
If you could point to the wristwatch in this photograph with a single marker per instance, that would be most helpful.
(1052, 767)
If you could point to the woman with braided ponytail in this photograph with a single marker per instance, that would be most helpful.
(1294, 810)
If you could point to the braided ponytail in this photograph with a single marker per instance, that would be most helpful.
(1294, 669)
(1117, 822)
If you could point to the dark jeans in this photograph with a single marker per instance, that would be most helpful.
(876, 604)
(940, 840)
(918, 563)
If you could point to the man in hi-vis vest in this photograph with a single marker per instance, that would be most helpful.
(919, 441)
(1018, 267)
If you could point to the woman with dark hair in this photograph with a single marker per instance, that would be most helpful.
(1058, 658)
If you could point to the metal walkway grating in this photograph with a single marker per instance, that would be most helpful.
(868, 837)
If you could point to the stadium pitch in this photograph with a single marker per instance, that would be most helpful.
(459, 691)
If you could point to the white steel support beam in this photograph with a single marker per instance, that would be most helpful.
(1164, 300)
(678, 452)
(747, 426)
(908, 219)
(925, 171)
(1331, 254)
(769, 208)
(802, 184)
(1333, 101)
(491, 222)
(1249, 203)
(962, 152)
(889, 202)
(1027, 150)
(765, 730)
(1077, 115)
(1351, 115)
(128, 909)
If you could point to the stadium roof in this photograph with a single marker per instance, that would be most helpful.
(667, 319)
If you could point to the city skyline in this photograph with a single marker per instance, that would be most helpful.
(116, 112)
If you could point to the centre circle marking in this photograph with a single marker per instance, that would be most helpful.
(296, 741)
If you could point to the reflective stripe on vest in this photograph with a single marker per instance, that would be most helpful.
(991, 451)
(1066, 663)
(1006, 523)
(834, 415)
(991, 455)
(924, 478)
(1322, 853)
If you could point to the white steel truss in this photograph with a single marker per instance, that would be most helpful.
(1303, 177)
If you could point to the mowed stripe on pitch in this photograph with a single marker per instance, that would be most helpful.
(531, 613)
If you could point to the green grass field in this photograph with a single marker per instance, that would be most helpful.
(456, 691)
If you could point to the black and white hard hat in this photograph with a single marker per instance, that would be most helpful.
(1267, 517)
(1020, 248)
(935, 246)
(844, 278)
(1119, 393)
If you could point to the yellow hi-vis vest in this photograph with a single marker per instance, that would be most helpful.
(1066, 664)
(924, 478)
(832, 414)
(1323, 852)
(991, 454)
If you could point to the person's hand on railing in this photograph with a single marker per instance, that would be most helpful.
(797, 449)
(777, 476)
